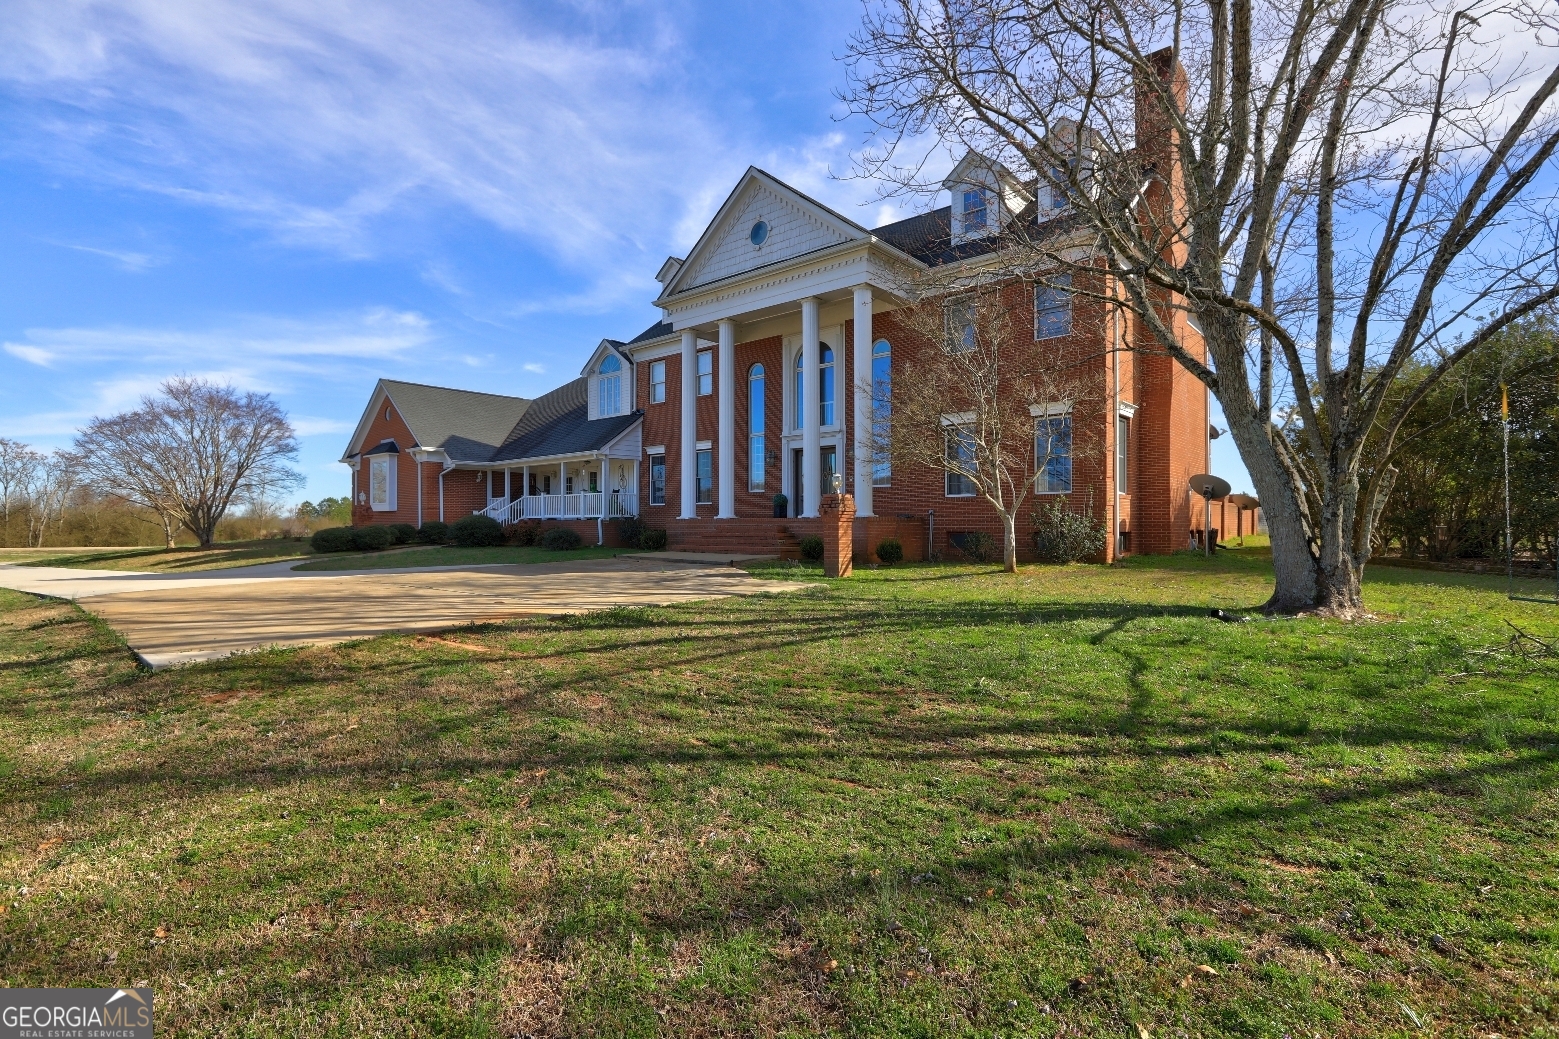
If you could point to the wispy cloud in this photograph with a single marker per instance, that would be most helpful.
(31, 354)
(534, 369)
(133, 262)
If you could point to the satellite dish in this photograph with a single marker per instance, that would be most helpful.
(1244, 501)
(1210, 487)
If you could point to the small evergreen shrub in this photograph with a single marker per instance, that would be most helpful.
(560, 539)
(629, 530)
(653, 539)
(476, 531)
(890, 551)
(979, 547)
(372, 539)
(433, 533)
(1064, 536)
(524, 534)
(781, 502)
(812, 548)
(333, 539)
(402, 533)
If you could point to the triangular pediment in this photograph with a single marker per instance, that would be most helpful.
(795, 225)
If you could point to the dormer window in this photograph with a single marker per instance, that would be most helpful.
(974, 211)
(609, 386)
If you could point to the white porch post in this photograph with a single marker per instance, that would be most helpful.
(562, 477)
(726, 478)
(508, 489)
(861, 369)
(489, 486)
(811, 449)
(688, 474)
(524, 480)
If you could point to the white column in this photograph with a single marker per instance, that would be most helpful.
(725, 478)
(862, 371)
(689, 466)
(811, 450)
(508, 484)
(562, 477)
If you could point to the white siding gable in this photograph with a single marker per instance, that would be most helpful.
(793, 231)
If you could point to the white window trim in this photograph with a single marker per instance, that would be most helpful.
(1128, 410)
(963, 418)
(698, 373)
(658, 449)
(1049, 410)
(390, 497)
(703, 445)
(663, 391)
(1044, 413)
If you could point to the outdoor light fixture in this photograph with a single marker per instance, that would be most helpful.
(838, 482)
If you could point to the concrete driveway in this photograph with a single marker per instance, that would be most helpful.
(176, 618)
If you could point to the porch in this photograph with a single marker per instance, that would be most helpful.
(618, 504)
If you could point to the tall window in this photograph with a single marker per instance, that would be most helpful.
(704, 485)
(609, 387)
(1122, 454)
(1053, 453)
(706, 373)
(657, 479)
(1053, 308)
(960, 450)
(755, 444)
(801, 410)
(882, 412)
(960, 328)
(657, 382)
(974, 210)
(825, 384)
(1058, 187)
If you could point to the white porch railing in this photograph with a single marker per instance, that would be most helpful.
(613, 505)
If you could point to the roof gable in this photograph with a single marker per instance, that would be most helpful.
(796, 224)
(606, 346)
(558, 423)
(465, 424)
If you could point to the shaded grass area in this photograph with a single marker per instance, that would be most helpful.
(929, 801)
(450, 556)
(174, 560)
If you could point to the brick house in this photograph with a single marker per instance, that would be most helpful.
(757, 382)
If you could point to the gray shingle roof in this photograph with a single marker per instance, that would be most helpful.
(655, 331)
(467, 425)
(928, 237)
(557, 423)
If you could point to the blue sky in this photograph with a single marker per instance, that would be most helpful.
(300, 196)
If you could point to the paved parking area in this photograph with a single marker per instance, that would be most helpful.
(176, 618)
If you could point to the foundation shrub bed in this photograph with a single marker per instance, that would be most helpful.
(476, 532)
(1063, 536)
(890, 551)
(433, 532)
(333, 539)
(560, 539)
(524, 535)
(372, 538)
(402, 533)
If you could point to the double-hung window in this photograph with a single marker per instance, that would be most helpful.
(657, 382)
(705, 482)
(882, 412)
(706, 372)
(960, 462)
(609, 387)
(960, 328)
(1053, 453)
(1053, 307)
(975, 210)
(1122, 454)
(657, 479)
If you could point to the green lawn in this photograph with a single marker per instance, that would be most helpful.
(450, 556)
(173, 560)
(928, 801)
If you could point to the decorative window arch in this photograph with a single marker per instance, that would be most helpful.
(825, 386)
(609, 386)
(756, 447)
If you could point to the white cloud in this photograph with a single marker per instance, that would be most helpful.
(131, 261)
(534, 369)
(309, 426)
(31, 354)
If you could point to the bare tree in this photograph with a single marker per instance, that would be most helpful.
(189, 453)
(48, 489)
(1335, 190)
(18, 466)
(993, 414)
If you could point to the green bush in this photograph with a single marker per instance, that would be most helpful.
(476, 531)
(629, 530)
(976, 546)
(653, 539)
(890, 551)
(812, 548)
(560, 539)
(333, 539)
(433, 533)
(402, 533)
(1064, 536)
(524, 534)
(372, 539)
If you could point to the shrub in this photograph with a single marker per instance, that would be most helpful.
(333, 539)
(402, 533)
(978, 546)
(433, 533)
(476, 531)
(629, 530)
(560, 539)
(1064, 536)
(524, 534)
(372, 539)
(781, 502)
(653, 539)
(890, 551)
(812, 548)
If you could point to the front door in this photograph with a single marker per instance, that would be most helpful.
(797, 476)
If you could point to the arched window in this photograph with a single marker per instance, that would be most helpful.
(825, 385)
(882, 409)
(755, 443)
(609, 386)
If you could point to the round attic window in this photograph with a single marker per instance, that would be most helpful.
(759, 234)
